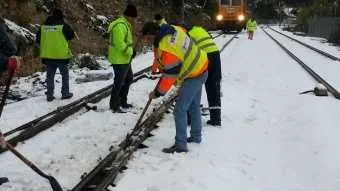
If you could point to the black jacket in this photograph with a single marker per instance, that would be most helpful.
(67, 31)
(7, 48)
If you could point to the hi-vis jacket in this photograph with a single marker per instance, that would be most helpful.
(203, 39)
(156, 65)
(178, 56)
(120, 42)
(53, 44)
(251, 25)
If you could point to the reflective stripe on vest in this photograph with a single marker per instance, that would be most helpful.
(53, 44)
(180, 45)
(203, 39)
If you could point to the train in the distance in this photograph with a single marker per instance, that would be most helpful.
(231, 15)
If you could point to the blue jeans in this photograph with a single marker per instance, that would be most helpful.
(189, 99)
(51, 70)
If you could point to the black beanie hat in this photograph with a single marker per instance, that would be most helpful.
(150, 28)
(158, 17)
(130, 11)
(57, 13)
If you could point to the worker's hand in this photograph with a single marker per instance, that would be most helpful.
(2, 141)
(152, 95)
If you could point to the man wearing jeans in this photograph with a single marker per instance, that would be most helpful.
(183, 63)
(53, 37)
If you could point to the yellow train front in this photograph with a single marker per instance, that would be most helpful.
(231, 15)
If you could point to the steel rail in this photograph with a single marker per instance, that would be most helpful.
(317, 77)
(307, 45)
(32, 128)
(104, 174)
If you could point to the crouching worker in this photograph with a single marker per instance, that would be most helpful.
(184, 64)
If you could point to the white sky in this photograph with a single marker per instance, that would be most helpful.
(272, 138)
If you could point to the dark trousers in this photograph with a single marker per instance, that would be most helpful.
(51, 70)
(122, 81)
(213, 85)
(250, 35)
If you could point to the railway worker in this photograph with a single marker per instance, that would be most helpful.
(159, 20)
(120, 54)
(213, 84)
(54, 36)
(251, 27)
(184, 64)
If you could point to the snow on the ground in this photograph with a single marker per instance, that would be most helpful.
(319, 43)
(76, 145)
(272, 138)
(17, 114)
(327, 68)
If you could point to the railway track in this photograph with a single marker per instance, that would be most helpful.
(104, 174)
(34, 127)
(308, 46)
(308, 69)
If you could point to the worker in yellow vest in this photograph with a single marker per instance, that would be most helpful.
(54, 36)
(251, 27)
(184, 64)
(213, 84)
(121, 53)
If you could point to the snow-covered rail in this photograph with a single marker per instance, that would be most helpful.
(308, 46)
(104, 174)
(308, 59)
(32, 128)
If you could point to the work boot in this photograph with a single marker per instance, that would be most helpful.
(119, 110)
(126, 106)
(214, 123)
(67, 96)
(3, 180)
(193, 140)
(173, 149)
(50, 98)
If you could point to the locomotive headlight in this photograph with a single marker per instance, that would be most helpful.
(240, 17)
(219, 17)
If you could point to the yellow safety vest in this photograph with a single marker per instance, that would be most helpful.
(203, 39)
(251, 25)
(53, 44)
(120, 53)
(193, 59)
